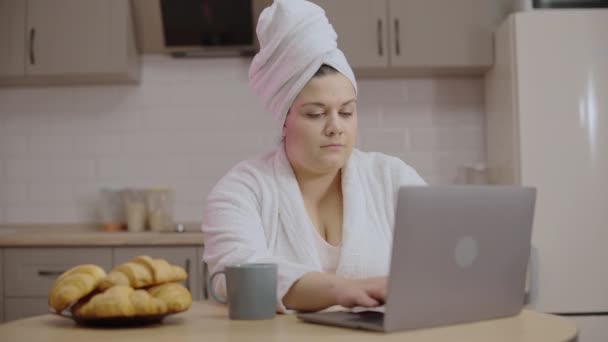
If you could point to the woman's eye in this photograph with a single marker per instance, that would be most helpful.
(346, 113)
(314, 115)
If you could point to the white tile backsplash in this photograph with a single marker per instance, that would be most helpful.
(13, 193)
(445, 138)
(68, 170)
(51, 193)
(30, 213)
(14, 145)
(188, 122)
(99, 145)
(19, 170)
(389, 140)
(53, 146)
(456, 114)
(383, 91)
(407, 115)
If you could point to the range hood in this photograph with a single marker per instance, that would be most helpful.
(198, 28)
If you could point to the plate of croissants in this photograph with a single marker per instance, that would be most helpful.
(139, 292)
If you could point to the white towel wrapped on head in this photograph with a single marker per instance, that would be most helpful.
(295, 40)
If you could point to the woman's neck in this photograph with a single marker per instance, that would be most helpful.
(317, 187)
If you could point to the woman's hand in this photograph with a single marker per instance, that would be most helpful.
(317, 291)
(367, 292)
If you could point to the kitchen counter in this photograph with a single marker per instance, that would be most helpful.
(81, 236)
(206, 321)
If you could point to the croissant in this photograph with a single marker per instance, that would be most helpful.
(177, 297)
(145, 304)
(127, 274)
(143, 271)
(121, 301)
(74, 284)
(162, 271)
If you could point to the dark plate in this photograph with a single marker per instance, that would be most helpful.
(114, 321)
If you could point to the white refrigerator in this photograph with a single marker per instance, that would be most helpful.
(547, 126)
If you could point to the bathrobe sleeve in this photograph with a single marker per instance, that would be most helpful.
(403, 174)
(406, 175)
(233, 230)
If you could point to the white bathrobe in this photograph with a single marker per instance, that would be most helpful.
(256, 214)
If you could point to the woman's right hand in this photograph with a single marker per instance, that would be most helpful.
(366, 292)
(316, 291)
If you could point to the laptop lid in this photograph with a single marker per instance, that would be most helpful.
(459, 254)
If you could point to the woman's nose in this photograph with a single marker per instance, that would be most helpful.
(333, 125)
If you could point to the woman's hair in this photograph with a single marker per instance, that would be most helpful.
(325, 70)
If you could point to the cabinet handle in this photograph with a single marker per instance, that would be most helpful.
(32, 41)
(187, 267)
(380, 47)
(49, 273)
(397, 45)
(205, 276)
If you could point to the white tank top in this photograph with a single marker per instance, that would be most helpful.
(328, 254)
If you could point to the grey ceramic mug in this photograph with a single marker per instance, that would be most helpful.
(251, 290)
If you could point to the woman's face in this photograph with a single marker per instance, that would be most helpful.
(320, 128)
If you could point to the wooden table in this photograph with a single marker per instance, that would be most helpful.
(209, 322)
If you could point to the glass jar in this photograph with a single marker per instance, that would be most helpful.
(111, 210)
(476, 173)
(135, 207)
(160, 203)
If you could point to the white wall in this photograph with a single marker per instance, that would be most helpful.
(187, 123)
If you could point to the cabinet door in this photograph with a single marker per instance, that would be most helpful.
(362, 30)
(73, 36)
(440, 33)
(12, 37)
(185, 257)
(16, 308)
(30, 272)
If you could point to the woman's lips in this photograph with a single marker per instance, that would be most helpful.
(333, 146)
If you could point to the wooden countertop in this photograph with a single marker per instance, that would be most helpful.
(83, 236)
(206, 321)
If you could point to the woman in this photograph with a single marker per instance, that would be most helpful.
(320, 209)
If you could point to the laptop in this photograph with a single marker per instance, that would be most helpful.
(460, 254)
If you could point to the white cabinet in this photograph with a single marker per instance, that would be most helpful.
(423, 36)
(362, 30)
(185, 257)
(439, 33)
(12, 39)
(67, 41)
(29, 274)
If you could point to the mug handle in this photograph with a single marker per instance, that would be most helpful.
(212, 288)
